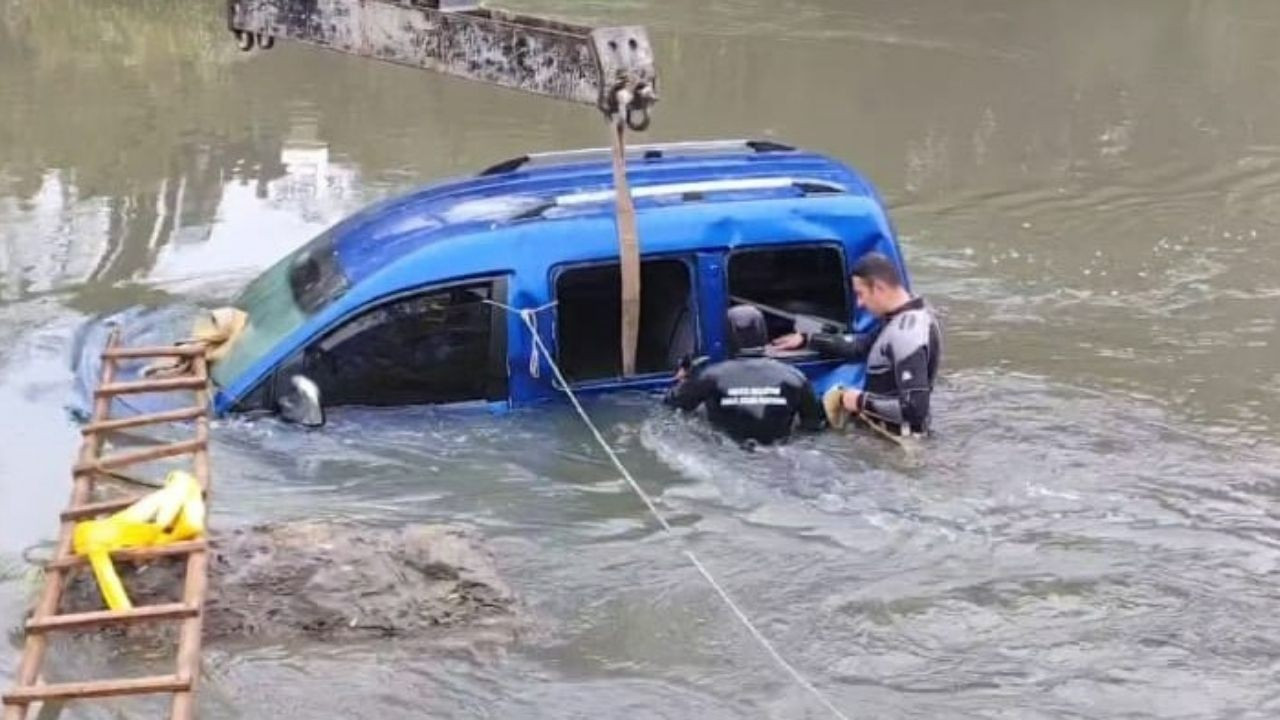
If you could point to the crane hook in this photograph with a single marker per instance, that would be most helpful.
(637, 117)
(634, 104)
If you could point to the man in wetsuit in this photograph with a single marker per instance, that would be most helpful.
(751, 397)
(902, 356)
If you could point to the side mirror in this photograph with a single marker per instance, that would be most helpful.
(300, 402)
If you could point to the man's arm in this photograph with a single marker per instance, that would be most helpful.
(852, 348)
(690, 392)
(812, 416)
(911, 406)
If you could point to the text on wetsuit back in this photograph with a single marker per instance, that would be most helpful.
(754, 396)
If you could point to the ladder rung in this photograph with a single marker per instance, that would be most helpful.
(188, 382)
(98, 688)
(189, 413)
(100, 618)
(157, 351)
(144, 455)
(90, 510)
(134, 554)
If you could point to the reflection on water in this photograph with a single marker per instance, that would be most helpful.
(201, 219)
(1089, 192)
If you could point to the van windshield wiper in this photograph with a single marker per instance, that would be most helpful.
(807, 324)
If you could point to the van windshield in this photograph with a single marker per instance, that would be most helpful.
(280, 300)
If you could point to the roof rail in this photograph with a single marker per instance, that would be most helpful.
(653, 151)
(687, 191)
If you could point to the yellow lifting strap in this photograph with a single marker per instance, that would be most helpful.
(217, 331)
(169, 515)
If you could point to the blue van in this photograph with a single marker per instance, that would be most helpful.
(402, 303)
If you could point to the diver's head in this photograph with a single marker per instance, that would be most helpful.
(877, 284)
(747, 329)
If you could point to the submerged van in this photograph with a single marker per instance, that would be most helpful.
(407, 301)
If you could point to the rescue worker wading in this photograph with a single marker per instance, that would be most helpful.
(751, 397)
(902, 357)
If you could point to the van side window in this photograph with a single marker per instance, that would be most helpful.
(589, 319)
(429, 348)
(795, 280)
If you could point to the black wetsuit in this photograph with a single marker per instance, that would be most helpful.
(902, 362)
(750, 398)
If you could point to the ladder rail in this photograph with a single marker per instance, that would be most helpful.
(197, 576)
(51, 595)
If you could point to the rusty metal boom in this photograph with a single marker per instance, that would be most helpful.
(547, 57)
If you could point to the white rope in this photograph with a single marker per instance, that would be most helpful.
(535, 367)
(804, 682)
(528, 315)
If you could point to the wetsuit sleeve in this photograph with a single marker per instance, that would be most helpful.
(690, 393)
(911, 406)
(853, 348)
(812, 416)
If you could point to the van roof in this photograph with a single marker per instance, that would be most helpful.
(578, 184)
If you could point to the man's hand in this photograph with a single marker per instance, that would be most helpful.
(791, 341)
(681, 374)
(850, 400)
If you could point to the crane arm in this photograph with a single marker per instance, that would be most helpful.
(578, 63)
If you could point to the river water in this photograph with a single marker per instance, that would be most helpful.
(1089, 191)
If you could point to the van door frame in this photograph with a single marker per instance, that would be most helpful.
(688, 258)
(813, 363)
(498, 378)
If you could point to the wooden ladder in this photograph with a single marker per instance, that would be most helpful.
(91, 463)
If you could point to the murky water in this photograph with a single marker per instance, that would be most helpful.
(1090, 192)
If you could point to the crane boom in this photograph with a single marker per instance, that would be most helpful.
(553, 58)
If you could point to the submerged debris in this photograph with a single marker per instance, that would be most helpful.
(331, 580)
